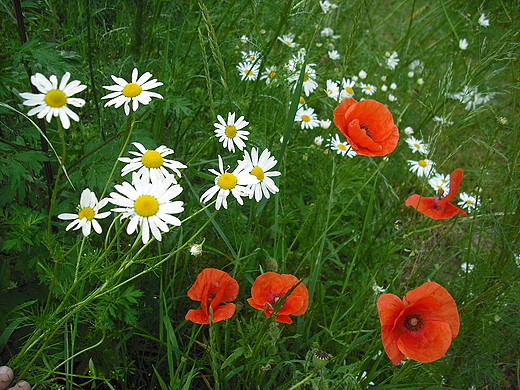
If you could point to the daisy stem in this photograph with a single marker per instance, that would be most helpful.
(130, 123)
(51, 206)
(79, 258)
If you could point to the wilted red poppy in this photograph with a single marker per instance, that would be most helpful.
(421, 326)
(368, 126)
(439, 208)
(212, 287)
(270, 287)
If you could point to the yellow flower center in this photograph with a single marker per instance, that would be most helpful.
(306, 118)
(55, 98)
(86, 212)
(469, 202)
(248, 72)
(146, 206)
(231, 131)
(152, 159)
(422, 163)
(305, 77)
(302, 100)
(252, 58)
(349, 90)
(227, 181)
(417, 146)
(272, 74)
(342, 147)
(258, 172)
(132, 90)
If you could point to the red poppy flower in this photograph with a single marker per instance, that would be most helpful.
(421, 326)
(270, 287)
(212, 287)
(368, 126)
(439, 208)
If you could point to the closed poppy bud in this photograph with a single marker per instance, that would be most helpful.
(211, 288)
(270, 288)
(368, 126)
(421, 325)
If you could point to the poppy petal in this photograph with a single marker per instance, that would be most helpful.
(360, 137)
(339, 113)
(284, 318)
(389, 307)
(447, 311)
(197, 316)
(431, 207)
(455, 179)
(224, 312)
(427, 344)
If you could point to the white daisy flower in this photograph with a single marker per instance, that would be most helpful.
(417, 145)
(147, 202)
(339, 147)
(136, 91)
(244, 39)
(347, 88)
(378, 289)
(334, 55)
(325, 123)
(422, 167)
(318, 141)
(416, 66)
(307, 117)
(268, 74)
(463, 44)
(309, 79)
(251, 55)
(152, 161)
(368, 89)
(468, 202)
(325, 6)
(442, 120)
(392, 61)
(248, 70)
(88, 213)
(332, 90)
(230, 133)
(483, 20)
(327, 32)
(440, 183)
(261, 166)
(235, 183)
(288, 39)
(54, 98)
(408, 130)
(296, 61)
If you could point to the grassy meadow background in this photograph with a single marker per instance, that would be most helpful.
(106, 313)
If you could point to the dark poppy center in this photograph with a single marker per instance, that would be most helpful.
(366, 129)
(414, 322)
